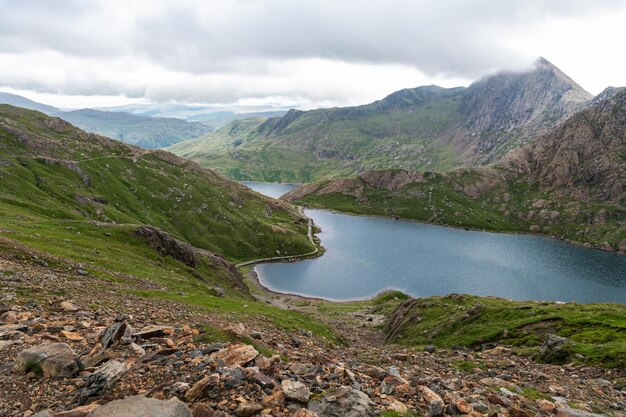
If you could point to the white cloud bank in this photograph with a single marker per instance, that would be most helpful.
(287, 52)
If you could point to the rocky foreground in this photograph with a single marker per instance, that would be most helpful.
(69, 348)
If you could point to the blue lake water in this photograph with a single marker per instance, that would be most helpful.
(270, 189)
(365, 255)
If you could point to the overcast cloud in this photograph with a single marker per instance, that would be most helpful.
(294, 52)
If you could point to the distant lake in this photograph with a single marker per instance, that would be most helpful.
(365, 255)
(270, 189)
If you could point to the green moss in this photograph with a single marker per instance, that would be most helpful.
(598, 331)
(468, 366)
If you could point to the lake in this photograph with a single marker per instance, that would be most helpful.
(365, 255)
(270, 189)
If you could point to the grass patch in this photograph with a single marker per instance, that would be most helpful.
(597, 331)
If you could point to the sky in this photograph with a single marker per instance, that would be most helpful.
(294, 53)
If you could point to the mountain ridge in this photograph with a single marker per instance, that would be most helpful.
(568, 183)
(426, 127)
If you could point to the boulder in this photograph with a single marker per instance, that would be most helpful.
(573, 412)
(138, 406)
(555, 348)
(236, 354)
(107, 375)
(168, 245)
(344, 402)
(295, 390)
(201, 388)
(51, 359)
(112, 334)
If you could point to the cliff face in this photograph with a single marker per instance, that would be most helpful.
(508, 109)
(585, 157)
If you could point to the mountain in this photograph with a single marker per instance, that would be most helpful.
(569, 183)
(19, 101)
(114, 288)
(144, 131)
(58, 175)
(425, 128)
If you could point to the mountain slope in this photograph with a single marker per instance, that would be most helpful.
(53, 170)
(569, 183)
(427, 127)
(19, 101)
(144, 131)
(139, 130)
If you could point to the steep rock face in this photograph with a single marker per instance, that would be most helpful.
(517, 106)
(585, 157)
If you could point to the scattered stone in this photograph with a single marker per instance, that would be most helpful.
(112, 334)
(573, 412)
(303, 412)
(152, 331)
(463, 406)
(104, 378)
(343, 402)
(67, 306)
(138, 406)
(201, 388)
(436, 408)
(81, 411)
(247, 409)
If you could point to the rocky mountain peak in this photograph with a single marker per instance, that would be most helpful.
(510, 108)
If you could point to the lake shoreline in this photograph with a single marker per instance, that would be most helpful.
(366, 254)
(468, 229)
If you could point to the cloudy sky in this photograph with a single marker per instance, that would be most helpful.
(305, 53)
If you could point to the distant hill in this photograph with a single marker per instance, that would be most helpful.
(146, 125)
(214, 117)
(144, 131)
(19, 101)
(569, 183)
(425, 128)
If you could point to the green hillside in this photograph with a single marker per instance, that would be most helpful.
(144, 131)
(53, 170)
(307, 146)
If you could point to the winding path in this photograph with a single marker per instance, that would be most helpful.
(278, 258)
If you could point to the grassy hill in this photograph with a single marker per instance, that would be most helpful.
(73, 200)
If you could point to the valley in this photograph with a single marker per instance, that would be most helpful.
(129, 284)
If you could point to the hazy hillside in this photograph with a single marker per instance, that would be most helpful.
(144, 131)
(19, 101)
(569, 183)
(426, 128)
